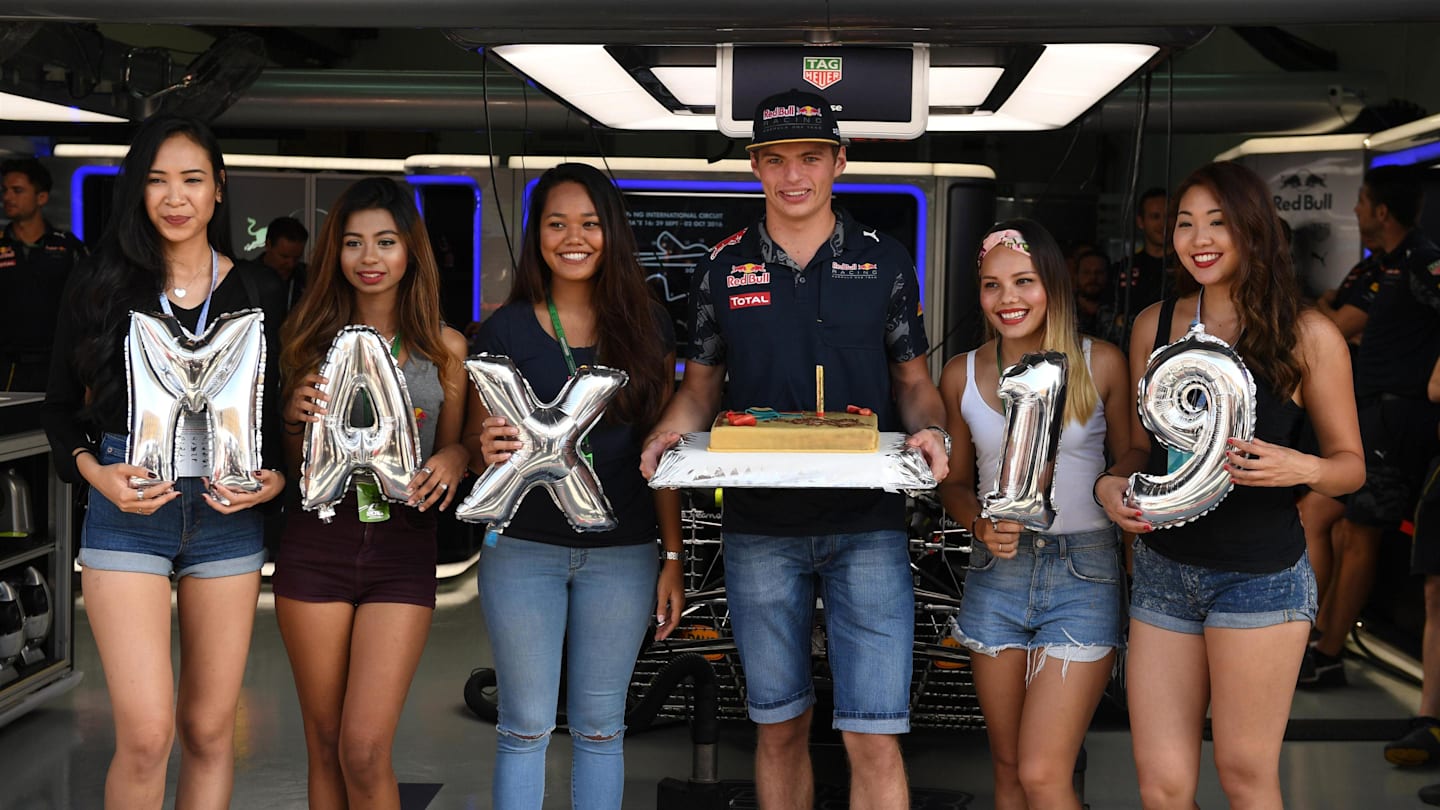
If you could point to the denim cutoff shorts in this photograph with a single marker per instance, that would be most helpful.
(864, 582)
(1189, 598)
(185, 537)
(1060, 595)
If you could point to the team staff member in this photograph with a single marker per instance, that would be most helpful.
(35, 261)
(808, 285)
(1397, 422)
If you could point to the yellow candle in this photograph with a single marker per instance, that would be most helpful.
(819, 390)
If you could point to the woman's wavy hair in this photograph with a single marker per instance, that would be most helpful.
(128, 270)
(1265, 292)
(1062, 332)
(328, 303)
(628, 335)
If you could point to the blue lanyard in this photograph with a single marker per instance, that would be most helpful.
(205, 307)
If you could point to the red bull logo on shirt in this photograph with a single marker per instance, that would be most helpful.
(861, 270)
(822, 71)
(726, 242)
(744, 275)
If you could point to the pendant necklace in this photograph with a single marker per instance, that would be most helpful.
(181, 292)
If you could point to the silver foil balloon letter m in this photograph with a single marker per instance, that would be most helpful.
(219, 374)
(1195, 395)
(1034, 392)
(359, 362)
(551, 435)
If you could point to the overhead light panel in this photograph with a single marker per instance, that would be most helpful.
(962, 86)
(691, 86)
(23, 108)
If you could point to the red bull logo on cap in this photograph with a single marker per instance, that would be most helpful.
(822, 71)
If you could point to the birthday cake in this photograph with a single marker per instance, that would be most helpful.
(761, 430)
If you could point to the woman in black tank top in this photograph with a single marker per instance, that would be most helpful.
(1222, 606)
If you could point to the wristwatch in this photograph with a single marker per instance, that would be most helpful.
(672, 555)
(944, 434)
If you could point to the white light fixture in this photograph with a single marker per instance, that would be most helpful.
(589, 79)
(673, 166)
(110, 151)
(962, 86)
(1064, 82)
(22, 108)
(1067, 80)
(1294, 143)
(691, 86)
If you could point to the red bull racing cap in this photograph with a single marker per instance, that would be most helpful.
(794, 116)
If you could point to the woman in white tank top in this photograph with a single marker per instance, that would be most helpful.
(1041, 613)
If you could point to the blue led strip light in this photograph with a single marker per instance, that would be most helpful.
(77, 195)
(459, 180)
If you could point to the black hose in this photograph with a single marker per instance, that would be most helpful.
(705, 724)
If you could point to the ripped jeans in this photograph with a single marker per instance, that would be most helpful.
(594, 603)
(1060, 597)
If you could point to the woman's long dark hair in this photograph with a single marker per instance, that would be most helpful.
(128, 271)
(1266, 295)
(328, 303)
(627, 333)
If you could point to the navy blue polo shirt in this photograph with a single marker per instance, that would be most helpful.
(1402, 336)
(34, 279)
(855, 309)
(1360, 285)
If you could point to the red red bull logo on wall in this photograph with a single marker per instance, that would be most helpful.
(822, 71)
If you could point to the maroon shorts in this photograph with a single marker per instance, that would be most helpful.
(349, 561)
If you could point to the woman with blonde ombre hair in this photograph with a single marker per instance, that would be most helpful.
(1042, 611)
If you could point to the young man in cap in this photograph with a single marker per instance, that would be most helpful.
(807, 285)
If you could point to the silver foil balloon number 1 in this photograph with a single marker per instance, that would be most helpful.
(1034, 392)
(359, 363)
(550, 435)
(217, 378)
(1196, 395)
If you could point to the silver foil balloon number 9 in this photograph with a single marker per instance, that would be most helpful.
(1196, 394)
(1034, 392)
(550, 435)
(219, 374)
(358, 364)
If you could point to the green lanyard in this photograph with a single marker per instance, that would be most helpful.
(395, 346)
(569, 363)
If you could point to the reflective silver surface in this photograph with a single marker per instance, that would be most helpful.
(1195, 395)
(220, 373)
(551, 434)
(1034, 392)
(334, 450)
(893, 467)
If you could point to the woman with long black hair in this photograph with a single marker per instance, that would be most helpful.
(579, 299)
(165, 249)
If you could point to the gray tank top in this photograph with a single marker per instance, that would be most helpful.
(422, 379)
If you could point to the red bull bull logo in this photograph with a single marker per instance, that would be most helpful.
(744, 275)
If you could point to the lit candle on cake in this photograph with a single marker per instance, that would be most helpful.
(820, 391)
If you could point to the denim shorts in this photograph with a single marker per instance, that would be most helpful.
(1060, 593)
(1185, 598)
(864, 582)
(185, 537)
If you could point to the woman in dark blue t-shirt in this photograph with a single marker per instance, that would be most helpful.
(580, 298)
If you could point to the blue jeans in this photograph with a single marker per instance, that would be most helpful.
(596, 603)
(1185, 598)
(865, 584)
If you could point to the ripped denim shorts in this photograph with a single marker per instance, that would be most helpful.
(1061, 596)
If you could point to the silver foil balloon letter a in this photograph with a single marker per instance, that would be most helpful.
(1196, 394)
(219, 374)
(359, 363)
(550, 435)
(1034, 391)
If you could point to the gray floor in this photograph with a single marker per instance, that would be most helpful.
(56, 757)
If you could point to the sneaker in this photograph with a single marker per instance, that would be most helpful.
(1419, 746)
(1318, 670)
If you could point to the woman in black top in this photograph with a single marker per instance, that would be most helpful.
(580, 298)
(1222, 606)
(165, 248)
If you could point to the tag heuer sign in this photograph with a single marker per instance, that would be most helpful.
(822, 71)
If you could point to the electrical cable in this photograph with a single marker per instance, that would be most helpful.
(490, 139)
(1128, 206)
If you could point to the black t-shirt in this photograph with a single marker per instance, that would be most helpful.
(65, 397)
(855, 309)
(515, 332)
(1146, 280)
(1255, 529)
(1402, 336)
(33, 278)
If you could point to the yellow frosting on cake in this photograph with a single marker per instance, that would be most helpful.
(798, 432)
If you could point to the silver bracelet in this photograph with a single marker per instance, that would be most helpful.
(672, 555)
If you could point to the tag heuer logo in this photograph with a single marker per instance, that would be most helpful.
(822, 71)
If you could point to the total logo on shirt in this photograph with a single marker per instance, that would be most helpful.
(747, 300)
